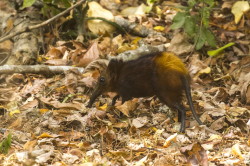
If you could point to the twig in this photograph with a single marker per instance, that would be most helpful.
(31, 27)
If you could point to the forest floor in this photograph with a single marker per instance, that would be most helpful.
(47, 122)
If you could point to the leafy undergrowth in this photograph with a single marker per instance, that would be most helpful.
(50, 124)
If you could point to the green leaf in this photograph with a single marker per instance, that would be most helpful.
(28, 3)
(179, 20)
(190, 26)
(191, 3)
(62, 3)
(5, 144)
(201, 40)
(49, 11)
(205, 13)
(209, 37)
(219, 50)
(151, 2)
(209, 2)
(200, 44)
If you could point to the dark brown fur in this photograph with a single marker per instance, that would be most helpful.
(162, 75)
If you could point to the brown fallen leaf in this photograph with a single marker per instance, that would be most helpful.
(16, 124)
(82, 59)
(29, 145)
(56, 62)
(69, 158)
(195, 154)
(140, 122)
(55, 52)
(57, 104)
(219, 124)
(120, 125)
(128, 106)
(180, 45)
(71, 135)
(30, 104)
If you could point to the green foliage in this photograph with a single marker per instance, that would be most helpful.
(5, 144)
(151, 1)
(50, 7)
(194, 19)
(219, 50)
(150, 4)
(179, 20)
(28, 3)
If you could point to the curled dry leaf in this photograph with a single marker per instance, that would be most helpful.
(195, 154)
(70, 81)
(15, 78)
(128, 106)
(212, 142)
(93, 113)
(245, 89)
(57, 104)
(94, 155)
(238, 9)
(169, 140)
(55, 52)
(99, 26)
(140, 122)
(16, 124)
(197, 132)
(237, 111)
(43, 158)
(216, 112)
(82, 58)
(180, 45)
(71, 135)
(69, 158)
(77, 152)
(219, 124)
(135, 11)
(159, 118)
(196, 65)
(29, 145)
(30, 104)
(56, 62)
(219, 93)
(34, 87)
(120, 125)
(183, 139)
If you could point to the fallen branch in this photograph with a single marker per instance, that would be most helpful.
(125, 26)
(29, 28)
(135, 29)
(37, 69)
(141, 51)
